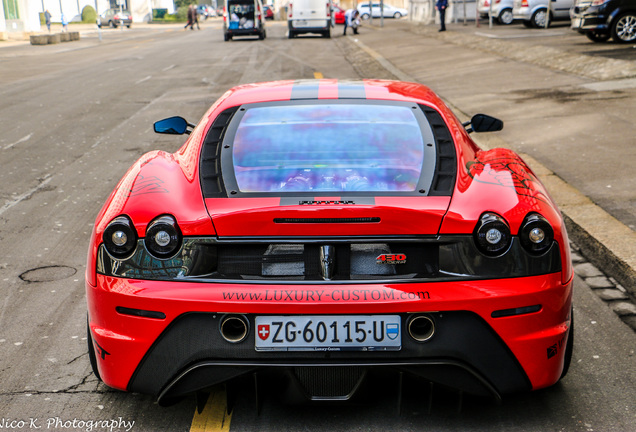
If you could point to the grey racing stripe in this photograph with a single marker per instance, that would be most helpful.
(348, 90)
(304, 90)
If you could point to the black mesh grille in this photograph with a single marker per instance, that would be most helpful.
(446, 165)
(329, 382)
(296, 261)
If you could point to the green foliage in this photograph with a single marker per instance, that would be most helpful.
(159, 13)
(182, 13)
(183, 3)
(88, 14)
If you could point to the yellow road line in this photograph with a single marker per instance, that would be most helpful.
(214, 417)
(318, 75)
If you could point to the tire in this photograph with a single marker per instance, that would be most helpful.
(111, 24)
(261, 35)
(91, 351)
(624, 28)
(129, 25)
(595, 36)
(505, 17)
(327, 33)
(227, 37)
(364, 16)
(569, 348)
(538, 18)
(290, 35)
(397, 15)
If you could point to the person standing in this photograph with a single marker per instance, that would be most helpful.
(47, 19)
(195, 17)
(441, 6)
(190, 22)
(64, 23)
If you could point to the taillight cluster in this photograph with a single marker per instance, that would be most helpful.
(163, 237)
(524, 3)
(493, 238)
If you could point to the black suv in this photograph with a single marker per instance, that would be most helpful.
(601, 19)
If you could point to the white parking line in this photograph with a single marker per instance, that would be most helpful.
(143, 79)
(21, 140)
(25, 195)
(611, 85)
(521, 36)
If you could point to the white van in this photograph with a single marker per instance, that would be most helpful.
(309, 16)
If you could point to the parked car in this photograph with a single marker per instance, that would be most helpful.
(320, 231)
(269, 12)
(114, 18)
(309, 16)
(389, 11)
(338, 14)
(244, 18)
(501, 10)
(205, 11)
(601, 20)
(533, 12)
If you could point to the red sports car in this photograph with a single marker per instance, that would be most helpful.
(323, 229)
(339, 14)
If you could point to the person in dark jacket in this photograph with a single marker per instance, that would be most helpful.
(441, 6)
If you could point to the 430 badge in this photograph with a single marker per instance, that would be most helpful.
(328, 333)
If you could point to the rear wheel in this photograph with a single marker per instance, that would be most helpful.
(397, 15)
(505, 17)
(327, 33)
(290, 35)
(569, 348)
(624, 28)
(538, 18)
(111, 24)
(91, 351)
(364, 16)
(595, 36)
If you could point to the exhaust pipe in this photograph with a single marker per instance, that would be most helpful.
(421, 327)
(234, 328)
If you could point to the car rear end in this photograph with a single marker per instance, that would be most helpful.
(322, 262)
(591, 16)
(309, 16)
(523, 10)
(123, 18)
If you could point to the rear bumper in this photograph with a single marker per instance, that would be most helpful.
(589, 22)
(308, 26)
(180, 349)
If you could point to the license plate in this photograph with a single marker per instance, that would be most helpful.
(301, 23)
(329, 333)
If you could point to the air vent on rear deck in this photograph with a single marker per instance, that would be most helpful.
(327, 220)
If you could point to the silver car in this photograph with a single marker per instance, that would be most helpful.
(533, 13)
(388, 11)
(501, 10)
(113, 18)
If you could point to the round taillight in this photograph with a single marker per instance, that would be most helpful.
(120, 238)
(163, 237)
(492, 235)
(536, 234)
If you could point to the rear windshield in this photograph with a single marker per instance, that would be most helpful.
(337, 147)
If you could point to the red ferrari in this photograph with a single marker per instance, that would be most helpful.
(320, 230)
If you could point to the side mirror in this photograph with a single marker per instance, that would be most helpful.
(484, 123)
(173, 126)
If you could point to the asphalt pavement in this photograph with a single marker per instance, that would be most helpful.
(607, 240)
